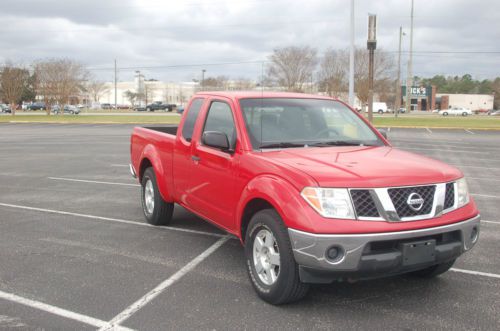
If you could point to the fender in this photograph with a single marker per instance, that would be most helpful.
(281, 194)
(150, 152)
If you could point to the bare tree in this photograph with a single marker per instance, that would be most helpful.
(59, 80)
(96, 89)
(149, 93)
(219, 83)
(292, 66)
(131, 96)
(13, 82)
(242, 84)
(333, 72)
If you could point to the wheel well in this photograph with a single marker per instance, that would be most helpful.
(145, 163)
(251, 208)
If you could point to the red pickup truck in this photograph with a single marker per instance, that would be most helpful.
(312, 190)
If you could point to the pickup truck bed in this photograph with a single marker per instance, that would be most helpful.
(165, 129)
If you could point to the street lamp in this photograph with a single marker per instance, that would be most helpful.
(371, 45)
(202, 79)
(398, 81)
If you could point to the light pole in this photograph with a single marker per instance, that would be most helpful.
(409, 79)
(203, 79)
(351, 59)
(398, 81)
(371, 45)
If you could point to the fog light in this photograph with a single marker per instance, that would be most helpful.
(334, 254)
(474, 235)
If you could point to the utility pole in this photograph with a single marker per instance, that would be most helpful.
(371, 45)
(409, 79)
(203, 79)
(398, 81)
(116, 89)
(351, 59)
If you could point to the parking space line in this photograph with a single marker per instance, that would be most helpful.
(56, 310)
(493, 222)
(485, 196)
(476, 273)
(109, 219)
(119, 165)
(468, 131)
(443, 150)
(92, 181)
(469, 166)
(148, 297)
(429, 130)
(483, 178)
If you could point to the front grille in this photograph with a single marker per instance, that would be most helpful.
(399, 197)
(449, 198)
(364, 204)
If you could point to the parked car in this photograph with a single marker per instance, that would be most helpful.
(68, 109)
(494, 113)
(139, 108)
(106, 106)
(5, 108)
(36, 106)
(460, 111)
(160, 106)
(313, 192)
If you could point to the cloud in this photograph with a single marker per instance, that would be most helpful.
(158, 34)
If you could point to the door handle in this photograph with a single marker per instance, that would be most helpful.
(195, 158)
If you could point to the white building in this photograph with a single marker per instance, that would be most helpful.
(471, 101)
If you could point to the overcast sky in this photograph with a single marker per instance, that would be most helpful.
(180, 38)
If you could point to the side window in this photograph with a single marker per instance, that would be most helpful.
(220, 118)
(192, 115)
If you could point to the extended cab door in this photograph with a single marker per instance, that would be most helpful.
(213, 171)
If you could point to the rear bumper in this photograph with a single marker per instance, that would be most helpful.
(374, 255)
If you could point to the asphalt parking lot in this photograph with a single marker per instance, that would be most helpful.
(75, 253)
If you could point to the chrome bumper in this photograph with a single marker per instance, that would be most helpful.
(310, 249)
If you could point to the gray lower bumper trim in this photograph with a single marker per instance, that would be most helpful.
(309, 249)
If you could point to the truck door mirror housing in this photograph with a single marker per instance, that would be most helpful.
(216, 139)
(383, 133)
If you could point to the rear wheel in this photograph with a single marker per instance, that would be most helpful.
(380, 111)
(464, 114)
(156, 210)
(271, 266)
(434, 271)
(445, 114)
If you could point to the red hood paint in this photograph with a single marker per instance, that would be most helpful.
(358, 166)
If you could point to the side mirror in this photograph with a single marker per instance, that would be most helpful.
(383, 132)
(216, 139)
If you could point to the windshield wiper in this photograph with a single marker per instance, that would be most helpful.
(338, 143)
(282, 145)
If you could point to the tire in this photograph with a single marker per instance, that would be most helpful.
(72, 112)
(155, 209)
(464, 114)
(278, 281)
(380, 111)
(434, 271)
(445, 114)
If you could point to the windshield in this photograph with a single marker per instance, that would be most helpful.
(283, 122)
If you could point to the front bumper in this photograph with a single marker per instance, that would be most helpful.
(378, 254)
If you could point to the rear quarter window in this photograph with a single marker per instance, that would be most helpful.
(191, 116)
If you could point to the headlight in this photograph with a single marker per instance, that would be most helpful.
(329, 202)
(462, 193)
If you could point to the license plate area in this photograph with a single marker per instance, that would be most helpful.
(418, 252)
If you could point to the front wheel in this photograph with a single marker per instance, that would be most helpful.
(156, 210)
(445, 114)
(271, 266)
(380, 111)
(464, 114)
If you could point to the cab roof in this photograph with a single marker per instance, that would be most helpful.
(236, 95)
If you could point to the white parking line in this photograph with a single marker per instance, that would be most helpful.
(119, 165)
(108, 219)
(486, 196)
(56, 310)
(92, 181)
(493, 222)
(443, 150)
(468, 131)
(476, 273)
(484, 178)
(429, 130)
(148, 297)
(469, 166)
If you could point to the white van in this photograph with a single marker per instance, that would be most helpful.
(379, 107)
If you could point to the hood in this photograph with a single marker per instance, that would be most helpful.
(364, 166)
